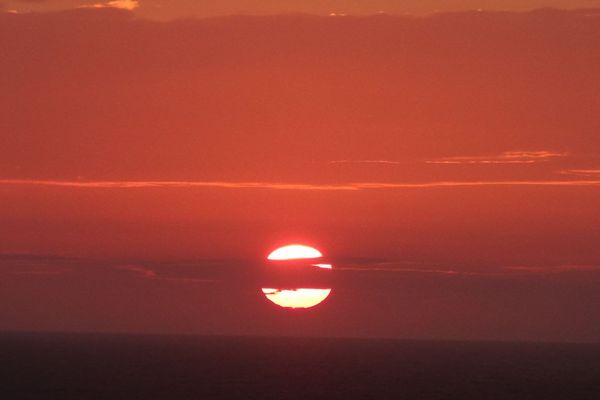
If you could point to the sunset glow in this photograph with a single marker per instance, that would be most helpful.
(208, 167)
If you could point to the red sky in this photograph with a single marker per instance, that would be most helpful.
(449, 166)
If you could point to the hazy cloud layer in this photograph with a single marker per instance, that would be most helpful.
(169, 9)
(385, 300)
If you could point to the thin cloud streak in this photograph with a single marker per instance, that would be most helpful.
(555, 269)
(138, 269)
(43, 271)
(507, 157)
(582, 172)
(289, 186)
(148, 273)
(402, 269)
(129, 5)
(496, 272)
(175, 184)
(382, 162)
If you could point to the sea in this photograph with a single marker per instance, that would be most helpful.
(118, 366)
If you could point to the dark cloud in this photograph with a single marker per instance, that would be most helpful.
(166, 297)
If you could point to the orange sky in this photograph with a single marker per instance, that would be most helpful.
(462, 150)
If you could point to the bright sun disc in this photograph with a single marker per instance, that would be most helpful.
(297, 298)
(294, 252)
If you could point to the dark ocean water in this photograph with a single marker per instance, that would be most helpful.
(70, 366)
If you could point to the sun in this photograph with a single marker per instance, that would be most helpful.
(296, 298)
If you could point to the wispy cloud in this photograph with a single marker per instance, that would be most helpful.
(582, 172)
(554, 269)
(375, 162)
(355, 186)
(27, 264)
(498, 271)
(392, 268)
(176, 184)
(148, 273)
(121, 4)
(40, 270)
(507, 157)
(139, 270)
(413, 267)
(52, 265)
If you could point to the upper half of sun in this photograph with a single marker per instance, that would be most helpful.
(297, 252)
